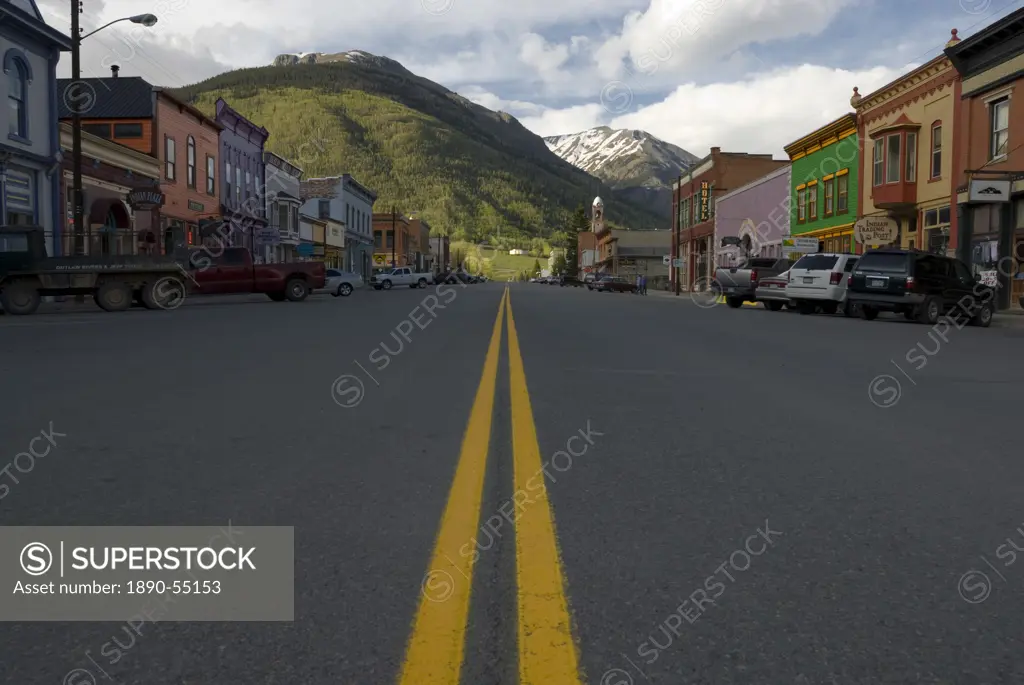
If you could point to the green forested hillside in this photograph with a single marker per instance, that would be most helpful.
(468, 171)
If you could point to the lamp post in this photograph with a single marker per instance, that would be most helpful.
(76, 97)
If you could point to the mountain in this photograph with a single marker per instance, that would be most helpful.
(469, 171)
(635, 163)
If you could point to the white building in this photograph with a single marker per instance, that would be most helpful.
(344, 199)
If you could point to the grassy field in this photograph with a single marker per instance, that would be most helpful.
(497, 264)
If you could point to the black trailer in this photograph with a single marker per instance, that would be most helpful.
(27, 274)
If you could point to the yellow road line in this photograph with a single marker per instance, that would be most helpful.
(436, 648)
(547, 651)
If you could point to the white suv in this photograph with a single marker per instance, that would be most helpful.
(819, 281)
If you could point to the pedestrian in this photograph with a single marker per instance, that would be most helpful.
(643, 285)
(637, 291)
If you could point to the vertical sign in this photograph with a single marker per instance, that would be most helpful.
(705, 201)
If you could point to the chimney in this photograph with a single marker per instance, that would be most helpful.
(114, 69)
(716, 150)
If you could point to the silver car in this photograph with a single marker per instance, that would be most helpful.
(341, 282)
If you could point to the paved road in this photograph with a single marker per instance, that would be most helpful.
(726, 501)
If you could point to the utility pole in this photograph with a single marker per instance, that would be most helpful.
(394, 237)
(77, 203)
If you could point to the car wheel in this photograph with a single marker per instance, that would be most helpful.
(422, 283)
(734, 302)
(830, 307)
(868, 313)
(20, 298)
(806, 308)
(851, 310)
(984, 316)
(345, 289)
(386, 285)
(930, 311)
(296, 290)
(114, 296)
(773, 306)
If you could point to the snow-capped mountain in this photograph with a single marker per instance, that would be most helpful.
(622, 157)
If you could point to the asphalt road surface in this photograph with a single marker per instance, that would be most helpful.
(538, 485)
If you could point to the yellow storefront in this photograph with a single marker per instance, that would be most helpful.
(833, 238)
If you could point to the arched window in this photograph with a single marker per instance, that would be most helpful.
(191, 151)
(19, 76)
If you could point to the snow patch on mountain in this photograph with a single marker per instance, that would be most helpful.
(602, 148)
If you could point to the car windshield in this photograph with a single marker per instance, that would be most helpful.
(885, 262)
(817, 262)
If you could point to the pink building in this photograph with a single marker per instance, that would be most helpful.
(752, 220)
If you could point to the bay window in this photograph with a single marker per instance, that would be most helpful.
(892, 162)
(878, 164)
(911, 157)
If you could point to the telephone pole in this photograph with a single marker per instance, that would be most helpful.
(394, 237)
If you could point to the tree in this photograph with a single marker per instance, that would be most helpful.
(536, 268)
(560, 267)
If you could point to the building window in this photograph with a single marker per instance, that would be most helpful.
(812, 202)
(248, 184)
(190, 159)
(377, 239)
(391, 240)
(17, 96)
(878, 163)
(238, 183)
(830, 189)
(1000, 127)
(282, 217)
(227, 179)
(936, 229)
(801, 204)
(211, 175)
(170, 157)
(324, 209)
(892, 162)
(98, 130)
(127, 130)
(842, 194)
(936, 150)
(911, 157)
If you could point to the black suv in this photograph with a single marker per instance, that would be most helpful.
(919, 285)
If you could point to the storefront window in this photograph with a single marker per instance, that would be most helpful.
(985, 244)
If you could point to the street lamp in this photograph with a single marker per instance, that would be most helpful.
(146, 20)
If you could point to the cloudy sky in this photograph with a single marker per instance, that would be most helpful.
(745, 75)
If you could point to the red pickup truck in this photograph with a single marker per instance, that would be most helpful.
(231, 270)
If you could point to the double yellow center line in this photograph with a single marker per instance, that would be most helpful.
(546, 648)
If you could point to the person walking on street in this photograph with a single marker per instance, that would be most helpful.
(637, 291)
(643, 285)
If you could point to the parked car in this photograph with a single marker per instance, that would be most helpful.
(28, 273)
(402, 275)
(919, 285)
(231, 270)
(615, 284)
(739, 283)
(771, 291)
(591, 279)
(818, 281)
(341, 283)
(570, 281)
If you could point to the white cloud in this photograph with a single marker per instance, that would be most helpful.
(677, 35)
(760, 114)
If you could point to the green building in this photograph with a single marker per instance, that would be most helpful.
(825, 175)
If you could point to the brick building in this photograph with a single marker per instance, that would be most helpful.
(124, 199)
(392, 241)
(132, 112)
(693, 208)
(988, 153)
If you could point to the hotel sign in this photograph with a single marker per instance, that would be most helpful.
(989, 191)
(145, 200)
(705, 201)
